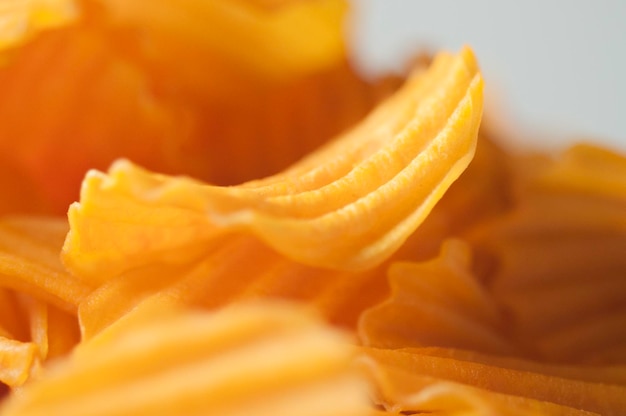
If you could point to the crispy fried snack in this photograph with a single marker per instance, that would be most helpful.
(500, 293)
(262, 359)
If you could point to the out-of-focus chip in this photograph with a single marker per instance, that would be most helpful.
(261, 359)
(20, 19)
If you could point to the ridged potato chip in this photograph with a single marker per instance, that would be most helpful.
(558, 258)
(552, 297)
(262, 359)
(402, 375)
(399, 162)
(500, 293)
(30, 263)
(141, 108)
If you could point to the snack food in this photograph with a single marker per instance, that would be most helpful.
(363, 279)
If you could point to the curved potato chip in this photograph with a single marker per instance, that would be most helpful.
(240, 268)
(437, 303)
(546, 287)
(324, 216)
(210, 282)
(129, 108)
(235, 38)
(284, 123)
(51, 333)
(18, 360)
(403, 373)
(455, 399)
(556, 283)
(33, 331)
(558, 258)
(247, 359)
(119, 113)
(29, 261)
(613, 374)
(589, 170)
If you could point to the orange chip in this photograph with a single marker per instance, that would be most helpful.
(29, 261)
(50, 333)
(324, 211)
(436, 303)
(13, 323)
(211, 34)
(136, 105)
(557, 259)
(507, 300)
(251, 359)
(20, 19)
(240, 268)
(429, 395)
(403, 375)
(553, 292)
(18, 360)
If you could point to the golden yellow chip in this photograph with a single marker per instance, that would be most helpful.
(348, 206)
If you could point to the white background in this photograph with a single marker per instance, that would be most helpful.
(555, 70)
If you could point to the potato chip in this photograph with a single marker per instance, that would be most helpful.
(310, 35)
(13, 322)
(261, 272)
(505, 296)
(29, 261)
(552, 293)
(437, 303)
(50, 333)
(18, 360)
(134, 107)
(119, 113)
(255, 358)
(210, 282)
(243, 269)
(21, 19)
(402, 374)
(430, 395)
(302, 212)
(558, 258)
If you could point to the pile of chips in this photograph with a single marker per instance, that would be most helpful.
(260, 231)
